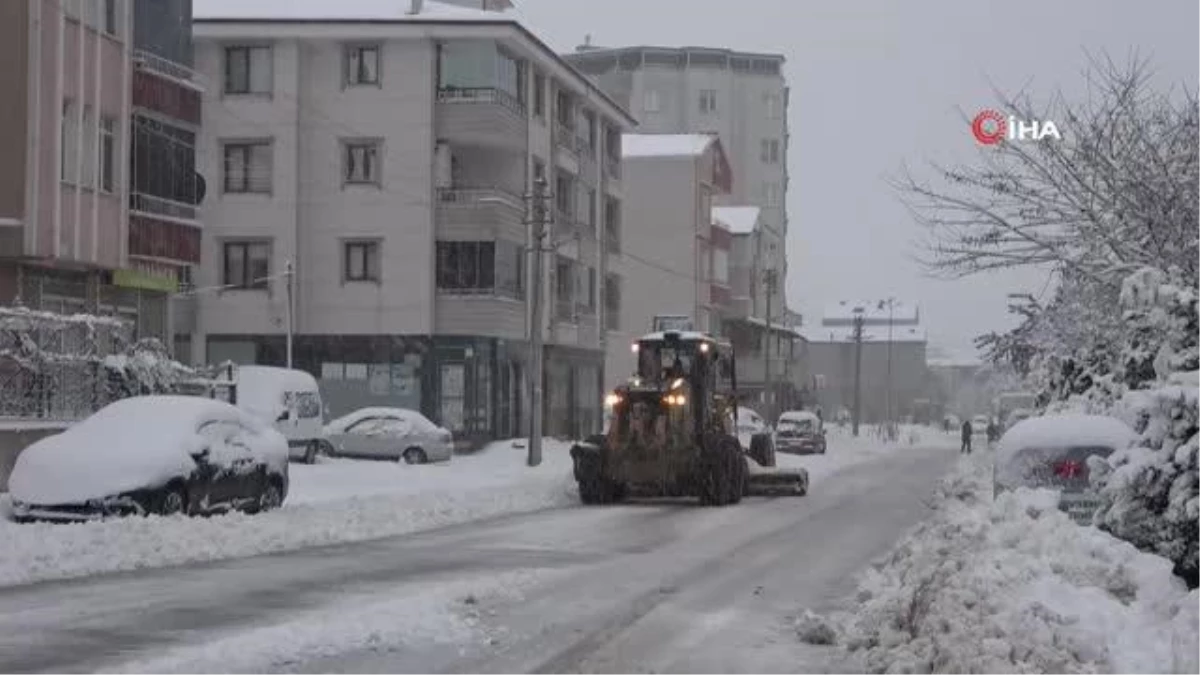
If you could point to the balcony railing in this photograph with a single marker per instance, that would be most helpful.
(159, 206)
(166, 67)
(469, 95)
(612, 166)
(584, 147)
(478, 196)
(564, 137)
(564, 310)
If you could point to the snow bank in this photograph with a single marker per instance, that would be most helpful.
(326, 505)
(1013, 585)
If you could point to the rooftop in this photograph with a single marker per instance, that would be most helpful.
(586, 49)
(737, 219)
(870, 334)
(340, 10)
(664, 145)
(873, 311)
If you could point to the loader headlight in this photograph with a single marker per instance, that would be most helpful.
(674, 399)
(677, 383)
(612, 400)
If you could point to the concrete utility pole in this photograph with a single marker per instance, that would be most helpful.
(288, 274)
(538, 218)
(858, 340)
(891, 318)
(770, 280)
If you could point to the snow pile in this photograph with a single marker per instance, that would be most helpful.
(492, 482)
(1013, 585)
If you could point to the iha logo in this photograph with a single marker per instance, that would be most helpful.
(990, 127)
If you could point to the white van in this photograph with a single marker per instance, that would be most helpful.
(289, 400)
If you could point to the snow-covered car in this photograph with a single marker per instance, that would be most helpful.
(389, 433)
(152, 454)
(1059, 452)
(800, 432)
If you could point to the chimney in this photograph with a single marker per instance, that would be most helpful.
(416, 6)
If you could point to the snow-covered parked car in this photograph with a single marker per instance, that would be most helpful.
(389, 433)
(1059, 452)
(800, 432)
(152, 454)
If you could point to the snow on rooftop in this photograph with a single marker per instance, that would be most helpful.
(664, 145)
(737, 219)
(874, 311)
(340, 10)
(870, 333)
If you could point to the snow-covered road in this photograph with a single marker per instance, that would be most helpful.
(648, 587)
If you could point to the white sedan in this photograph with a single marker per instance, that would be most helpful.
(389, 433)
(152, 455)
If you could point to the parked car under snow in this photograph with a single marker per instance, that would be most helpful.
(800, 432)
(389, 433)
(152, 455)
(1059, 452)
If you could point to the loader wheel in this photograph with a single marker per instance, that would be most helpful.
(762, 450)
(723, 481)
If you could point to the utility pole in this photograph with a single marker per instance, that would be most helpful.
(858, 340)
(891, 317)
(290, 319)
(538, 219)
(770, 279)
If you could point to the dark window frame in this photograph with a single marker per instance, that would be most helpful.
(367, 252)
(246, 279)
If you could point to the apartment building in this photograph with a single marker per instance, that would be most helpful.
(371, 168)
(754, 320)
(98, 198)
(740, 96)
(673, 258)
(64, 120)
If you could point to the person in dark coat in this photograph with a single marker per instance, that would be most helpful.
(966, 436)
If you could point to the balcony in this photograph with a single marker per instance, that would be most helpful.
(185, 75)
(482, 116)
(488, 212)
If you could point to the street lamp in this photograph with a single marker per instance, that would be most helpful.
(891, 303)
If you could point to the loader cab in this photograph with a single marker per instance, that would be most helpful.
(689, 371)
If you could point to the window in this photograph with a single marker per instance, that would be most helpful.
(589, 301)
(720, 266)
(612, 302)
(108, 153)
(360, 261)
(539, 95)
(163, 162)
(771, 194)
(248, 70)
(110, 17)
(564, 109)
(612, 224)
(771, 103)
(90, 139)
(708, 101)
(650, 102)
(565, 286)
(248, 167)
(770, 151)
(510, 270)
(361, 162)
(563, 191)
(69, 142)
(247, 264)
(591, 209)
(539, 168)
(466, 266)
(362, 65)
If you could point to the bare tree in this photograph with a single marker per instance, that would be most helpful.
(1118, 191)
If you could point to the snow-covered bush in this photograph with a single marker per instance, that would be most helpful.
(1013, 585)
(144, 367)
(1150, 491)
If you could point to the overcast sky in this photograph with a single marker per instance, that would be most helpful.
(877, 83)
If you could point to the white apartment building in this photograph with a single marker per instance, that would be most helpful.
(672, 257)
(740, 96)
(384, 152)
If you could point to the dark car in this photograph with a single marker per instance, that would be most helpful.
(152, 455)
(800, 432)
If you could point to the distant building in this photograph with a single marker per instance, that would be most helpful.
(894, 330)
(671, 259)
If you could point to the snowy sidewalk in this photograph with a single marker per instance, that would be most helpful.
(1013, 585)
(341, 501)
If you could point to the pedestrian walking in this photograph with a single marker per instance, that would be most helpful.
(966, 436)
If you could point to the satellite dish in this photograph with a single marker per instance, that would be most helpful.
(201, 188)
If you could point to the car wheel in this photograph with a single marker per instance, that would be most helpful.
(327, 449)
(173, 501)
(271, 497)
(310, 453)
(414, 456)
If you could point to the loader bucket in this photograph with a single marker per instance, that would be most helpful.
(764, 481)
